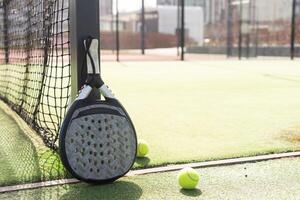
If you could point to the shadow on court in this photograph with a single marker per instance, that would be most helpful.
(142, 162)
(191, 193)
(117, 190)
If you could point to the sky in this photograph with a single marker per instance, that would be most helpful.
(129, 5)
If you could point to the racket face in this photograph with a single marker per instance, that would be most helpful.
(98, 141)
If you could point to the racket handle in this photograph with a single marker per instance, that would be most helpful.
(94, 61)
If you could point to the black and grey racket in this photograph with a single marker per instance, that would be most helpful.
(97, 139)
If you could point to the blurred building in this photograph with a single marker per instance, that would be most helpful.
(168, 22)
(131, 21)
(176, 2)
(106, 7)
(266, 10)
(212, 9)
(211, 23)
(215, 10)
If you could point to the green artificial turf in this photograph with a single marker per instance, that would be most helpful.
(186, 111)
(194, 111)
(276, 180)
(23, 157)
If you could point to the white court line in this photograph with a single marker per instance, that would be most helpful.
(168, 168)
(215, 163)
(37, 185)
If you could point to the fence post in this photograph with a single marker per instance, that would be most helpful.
(182, 29)
(240, 29)
(84, 22)
(5, 16)
(143, 28)
(293, 30)
(117, 31)
(229, 28)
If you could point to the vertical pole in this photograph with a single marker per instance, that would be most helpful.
(249, 16)
(229, 28)
(256, 37)
(210, 12)
(240, 29)
(256, 23)
(293, 30)
(178, 27)
(182, 29)
(143, 28)
(5, 15)
(112, 23)
(117, 31)
(84, 22)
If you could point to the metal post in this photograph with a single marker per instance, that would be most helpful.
(112, 24)
(84, 22)
(248, 29)
(210, 18)
(117, 31)
(143, 28)
(5, 32)
(178, 27)
(240, 29)
(256, 23)
(182, 29)
(293, 30)
(229, 28)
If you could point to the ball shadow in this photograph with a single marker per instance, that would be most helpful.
(142, 162)
(192, 193)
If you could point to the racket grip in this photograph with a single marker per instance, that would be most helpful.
(93, 63)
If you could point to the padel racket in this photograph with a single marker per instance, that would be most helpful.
(97, 139)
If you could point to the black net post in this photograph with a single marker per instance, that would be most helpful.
(248, 22)
(5, 31)
(143, 28)
(229, 28)
(117, 32)
(256, 25)
(293, 30)
(84, 22)
(182, 29)
(113, 45)
(240, 29)
(178, 28)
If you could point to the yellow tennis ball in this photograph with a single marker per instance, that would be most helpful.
(188, 178)
(143, 149)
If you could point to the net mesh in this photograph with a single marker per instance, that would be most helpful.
(35, 73)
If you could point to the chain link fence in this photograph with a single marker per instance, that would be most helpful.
(150, 29)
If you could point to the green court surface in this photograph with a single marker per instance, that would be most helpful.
(187, 111)
(23, 157)
(276, 180)
(194, 111)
